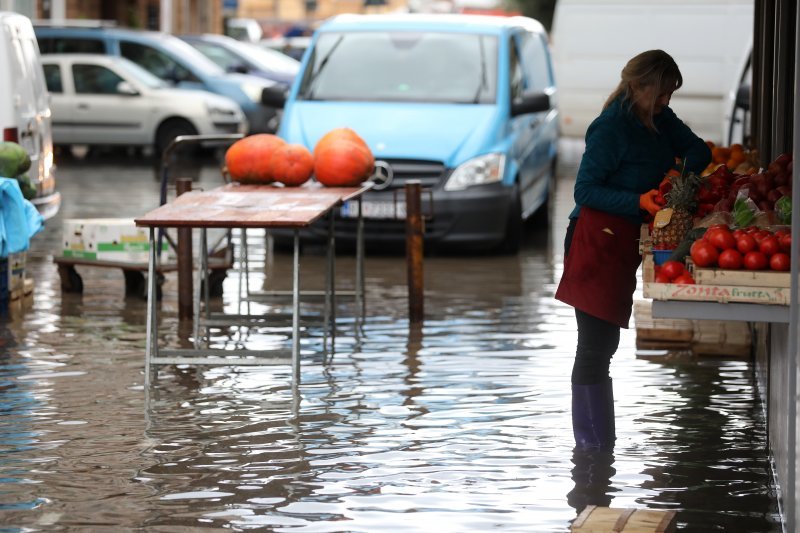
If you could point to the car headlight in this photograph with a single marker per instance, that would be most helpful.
(478, 171)
(253, 91)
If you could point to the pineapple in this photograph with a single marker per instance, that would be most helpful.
(675, 219)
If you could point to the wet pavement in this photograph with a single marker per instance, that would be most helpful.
(460, 425)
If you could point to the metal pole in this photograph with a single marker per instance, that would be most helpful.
(791, 496)
(296, 310)
(185, 282)
(414, 251)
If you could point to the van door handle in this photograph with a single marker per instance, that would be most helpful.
(83, 106)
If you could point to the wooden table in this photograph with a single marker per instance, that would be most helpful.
(247, 206)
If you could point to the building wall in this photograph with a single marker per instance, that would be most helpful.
(188, 16)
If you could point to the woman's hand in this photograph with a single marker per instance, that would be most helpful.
(647, 201)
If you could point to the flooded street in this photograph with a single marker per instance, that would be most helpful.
(462, 425)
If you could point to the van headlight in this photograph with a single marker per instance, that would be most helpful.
(253, 91)
(477, 171)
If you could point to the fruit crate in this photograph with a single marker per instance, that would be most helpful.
(743, 291)
(747, 278)
(701, 337)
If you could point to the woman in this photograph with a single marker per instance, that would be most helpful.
(629, 148)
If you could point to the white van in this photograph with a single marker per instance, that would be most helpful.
(593, 39)
(25, 106)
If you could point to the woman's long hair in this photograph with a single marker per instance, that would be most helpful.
(650, 68)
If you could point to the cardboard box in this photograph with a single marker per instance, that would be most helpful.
(107, 239)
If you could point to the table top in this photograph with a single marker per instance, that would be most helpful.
(250, 206)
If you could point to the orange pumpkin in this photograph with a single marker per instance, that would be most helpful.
(292, 165)
(335, 134)
(248, 160)
(343, 163)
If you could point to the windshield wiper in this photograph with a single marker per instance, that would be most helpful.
(309, 93)
(484, 82)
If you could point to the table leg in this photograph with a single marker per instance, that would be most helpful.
(360, 300)
(326, 317)
(246, 270)
(296, 310)
(152, 341)
(332, 288)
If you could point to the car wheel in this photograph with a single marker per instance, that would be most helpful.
(170, 129)
(513, 238)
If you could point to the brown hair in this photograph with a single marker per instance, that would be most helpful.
(650, 68)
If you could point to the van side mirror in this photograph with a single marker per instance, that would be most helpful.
(273, 97)
(532, 102)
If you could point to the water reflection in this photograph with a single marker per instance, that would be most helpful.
(591, 473)
(458, 424)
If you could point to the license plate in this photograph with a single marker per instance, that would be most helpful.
(374, 209)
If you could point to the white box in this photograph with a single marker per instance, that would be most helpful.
(108, 239)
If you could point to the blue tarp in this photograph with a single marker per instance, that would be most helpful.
(19, 219)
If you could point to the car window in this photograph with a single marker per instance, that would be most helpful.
(402, 66)
(95, 79)
(71, 45)
(218, 54)
(516, 73)
(52, 76)
(156, 62)
(267, 59)
(535, 61)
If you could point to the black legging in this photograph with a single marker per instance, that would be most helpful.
(597, 339)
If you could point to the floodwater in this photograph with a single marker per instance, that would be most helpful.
(460, 425)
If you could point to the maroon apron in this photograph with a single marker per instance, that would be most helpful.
(600, 268)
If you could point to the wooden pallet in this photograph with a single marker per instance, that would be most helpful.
(596, 519)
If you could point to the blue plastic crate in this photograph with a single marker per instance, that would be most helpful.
(661, 256)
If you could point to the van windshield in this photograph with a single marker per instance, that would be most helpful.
(402, 67)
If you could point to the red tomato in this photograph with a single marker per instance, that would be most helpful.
(722, 239)
(786, 242)
(746, 243)
(661, 278)
(738, 232)
(703, 253)
(769, 246)
(780, 262)
(718, 226)
(730, 259)
(760, 235)
(672, 269)
(755, 260)
(684, 279)
(711, 231)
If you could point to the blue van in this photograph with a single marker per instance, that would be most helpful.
(465, 104)
(170, 59)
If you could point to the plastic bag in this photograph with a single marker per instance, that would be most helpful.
(783, 210)
(744, 209)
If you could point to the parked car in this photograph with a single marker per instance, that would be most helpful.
(465, 104)
(24, 107)
(170, 59)
(293, 47)
(244, 29)
(108, 100)
(246, 58)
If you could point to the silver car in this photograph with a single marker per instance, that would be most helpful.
(108, 100)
